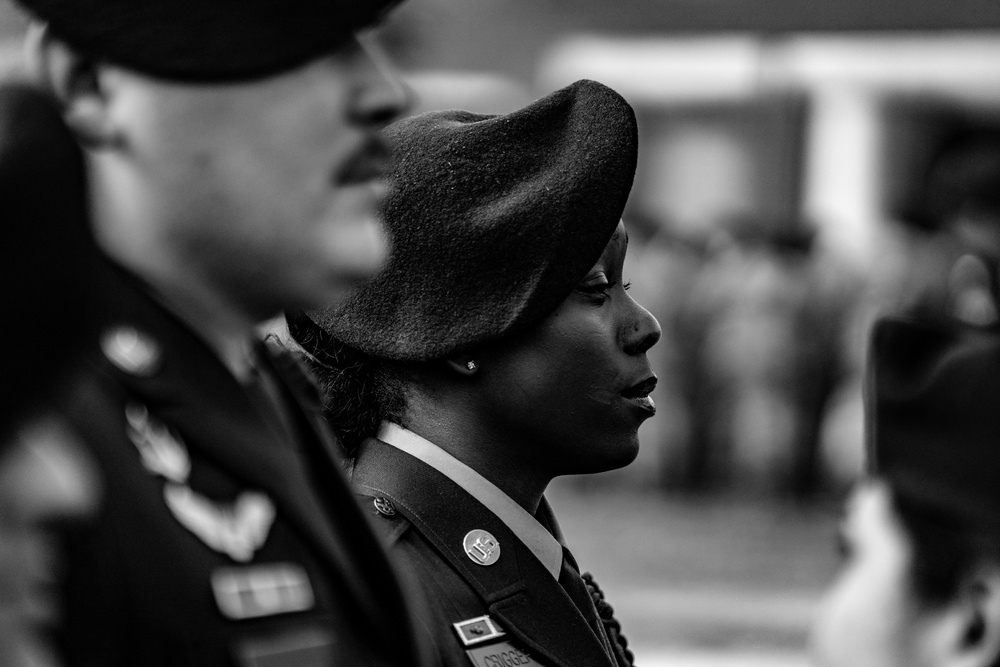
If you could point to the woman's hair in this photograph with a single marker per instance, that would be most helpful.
(358, 391)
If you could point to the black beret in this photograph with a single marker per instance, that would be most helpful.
(493, 220)
(934, 415)
(206, 40)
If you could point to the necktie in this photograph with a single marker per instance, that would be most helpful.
(572, 582)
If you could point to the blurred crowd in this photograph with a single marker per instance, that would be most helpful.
(765, 331)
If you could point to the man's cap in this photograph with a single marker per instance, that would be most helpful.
(934, 415)
(493, 220)
(206, 40)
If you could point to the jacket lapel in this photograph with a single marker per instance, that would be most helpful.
(517, 589)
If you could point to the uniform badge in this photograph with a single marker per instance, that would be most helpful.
(162, 452)
(481, 547)
(261, 590)
(485, 644)
(236, 529)
(131, 350)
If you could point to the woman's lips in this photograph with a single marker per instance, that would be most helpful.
(639, 393)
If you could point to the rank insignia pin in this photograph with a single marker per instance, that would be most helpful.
(481, 547)
(131, 350)
(478, 630)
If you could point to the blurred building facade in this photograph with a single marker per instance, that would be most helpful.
(777, 205)
(778, 200)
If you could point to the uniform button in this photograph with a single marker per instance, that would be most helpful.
(384, 506)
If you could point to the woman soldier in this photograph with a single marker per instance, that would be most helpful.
(498, 350)
(921, 582)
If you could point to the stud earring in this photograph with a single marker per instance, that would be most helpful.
(471, 364)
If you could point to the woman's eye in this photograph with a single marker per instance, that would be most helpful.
(598, 290)
(596, 284)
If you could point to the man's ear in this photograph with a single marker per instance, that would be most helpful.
(74, 81)
(973, 621)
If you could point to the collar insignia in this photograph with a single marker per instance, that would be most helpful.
(384, 506)
(481, 547)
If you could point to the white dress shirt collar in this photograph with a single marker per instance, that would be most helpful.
(546, 547)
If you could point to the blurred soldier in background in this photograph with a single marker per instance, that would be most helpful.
(921, 578)
(963, 196)
(233, 170)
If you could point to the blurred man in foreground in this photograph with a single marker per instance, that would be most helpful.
(234, 170)
(44, 475)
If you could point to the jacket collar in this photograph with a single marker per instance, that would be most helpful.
(544, 543)
(517, 589)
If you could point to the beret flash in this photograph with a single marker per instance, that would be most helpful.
(206, 40)
(934, 415)
(492, 220)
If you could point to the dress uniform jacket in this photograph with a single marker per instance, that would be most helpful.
(225, 536)
(511, 612)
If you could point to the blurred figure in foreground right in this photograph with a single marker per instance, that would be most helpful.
(921, 581)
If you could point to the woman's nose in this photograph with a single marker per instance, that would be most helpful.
(643, 332)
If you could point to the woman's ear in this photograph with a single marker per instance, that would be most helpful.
(74, 82)
(974, 619)
(463, 364)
